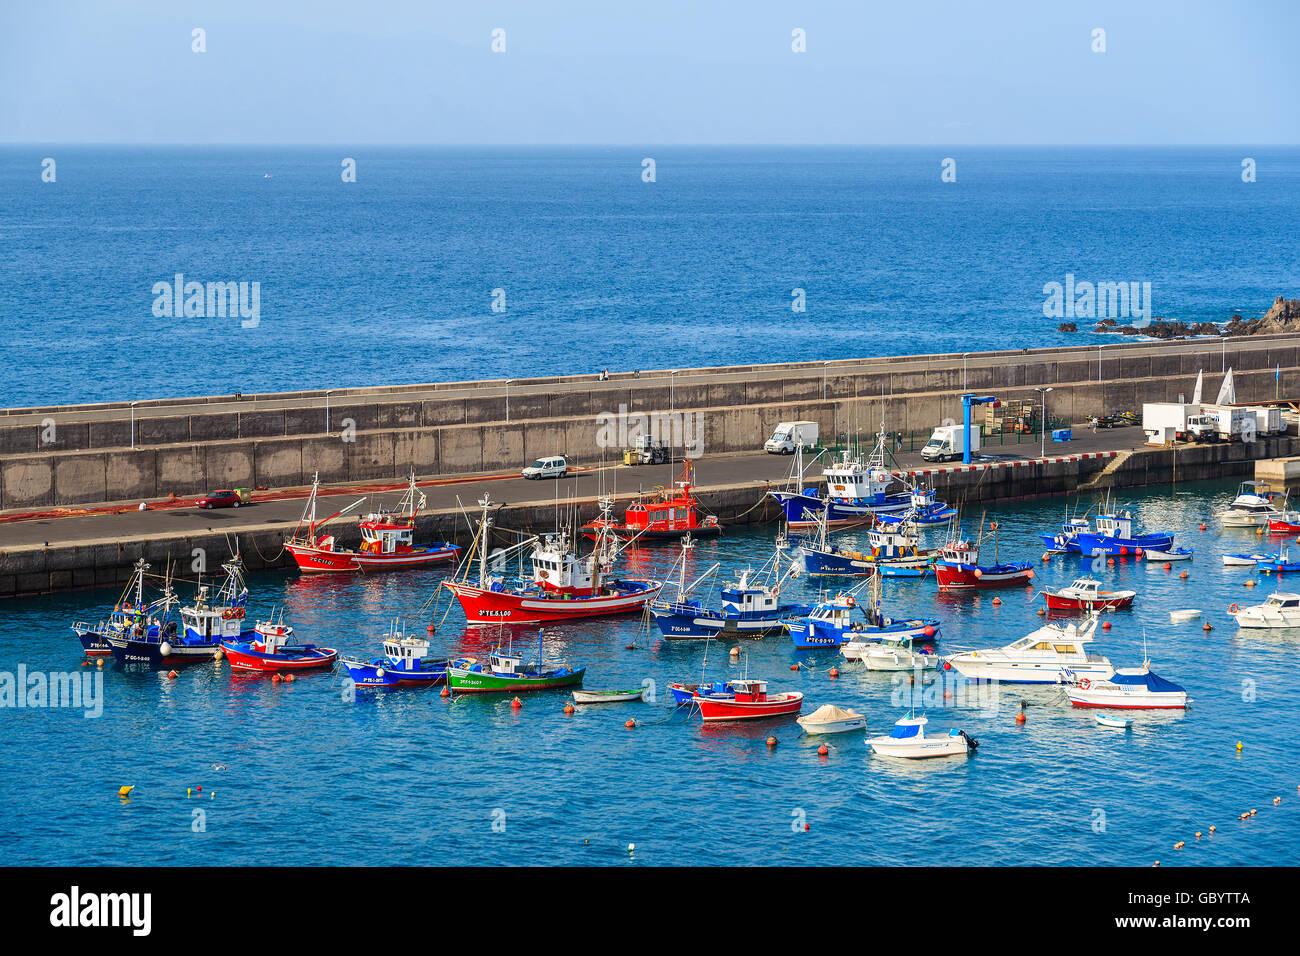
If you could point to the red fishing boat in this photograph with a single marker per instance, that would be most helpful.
(747, 700)
(958, 568)
(563, 586)
(271, 652)
(387, 539)
(1086, 594)
(1288, 522)
(668, 515)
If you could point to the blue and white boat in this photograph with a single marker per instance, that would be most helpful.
(1278, 563)
(406, 661)
(832, 624)
(857, 491)
(926, 511)
(1114, 535)
(1066, 541)
(684, 694)
(892, 552)
(751, 606)
(130, 615)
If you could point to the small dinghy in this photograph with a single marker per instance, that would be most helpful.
(1184, 614)
(1243, 560)
(607, 696)
(1177, 554)
(829, 719)
(908, 740)
(1119, 723)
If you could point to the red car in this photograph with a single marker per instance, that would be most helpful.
(224, 498)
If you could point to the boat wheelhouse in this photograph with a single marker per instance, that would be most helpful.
(958, 569)
(831, 623)
(1114, 535)
(669, 515)
(1066, 540)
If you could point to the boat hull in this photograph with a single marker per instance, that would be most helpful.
(1279, 526)
(93, 643)
(1119, 700)
(682, 623)
(806, 637)
(485, 607)
(153, 653)
(313, 560)
(919, 749)
(1058, 602)
(246, 658)
(953, 576)
(812, 727)
(466, 681)
(982, 669)
(1094, 545)
(803, 511)
(726, 709)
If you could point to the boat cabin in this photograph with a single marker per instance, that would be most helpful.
(891, 544)
(1073, 527)
(1085, 587)
(405, 652)
(742, 599)
(850, 479)
(379, 535)
(508, 664)
(1057, 643)
(1254, 497)
(837, 614)
(272, 635)
(750, 691)
(909, 727)
(1282, 600)
(961, 552)
(1115, 526)
(557, 568)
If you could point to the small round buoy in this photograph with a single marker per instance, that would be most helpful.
(1155, 864)
(516, 704)
(630, 724)
(1259, 531)
(947, 695)
(288, 677)
(99, 662)
(834, 672)
(172, 675)
(1123, 549)
(1182, 576)
(1179, 845)
(1046, 558)
(198, 789)
(979, 573)
(1249, 584)
(947, 665)
(794, 667)
(446, 692)
(1276, 801)
(735, 652)
(125, 791)
(631, 848)
(997, 601)
(1198, 834)
(929, 630)
(823, 750)
(1168, 566)
(275, 678)
(1105, 626)
(1212, 829)
(568, 708)
(1206, 626)
(771, 743)
(1240, 746)
(1137, 552)
(1253, 812)
(1020, 717)
(1042, 612)
(431, 629)
(1110, 560)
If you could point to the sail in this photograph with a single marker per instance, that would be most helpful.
(1227, 391)
(1200, 381)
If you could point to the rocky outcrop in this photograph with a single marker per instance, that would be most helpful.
(1282, 318)
(1067, 327)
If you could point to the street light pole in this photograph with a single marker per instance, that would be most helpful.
(508, 381)
(963, 370)
(133, 404)
(1042, 425)
(327, 410)
(824, 364)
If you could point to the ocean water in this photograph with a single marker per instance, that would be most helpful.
(407, 777)
(391, 279)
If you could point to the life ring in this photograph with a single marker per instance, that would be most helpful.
(237, 613)
(850, 601)
(227, 614)
(1084, 684)
(1233, 609)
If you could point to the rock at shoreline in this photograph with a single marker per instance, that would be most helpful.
(1067, 327)
(1282, 318)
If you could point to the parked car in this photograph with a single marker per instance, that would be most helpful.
(553, 467)
(225, 498)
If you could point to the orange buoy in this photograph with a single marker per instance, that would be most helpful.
(172, 675)
(288, 677)
(929, 630)
(1179, 845)
(431, 629)
(1020, 717)
(568, 708)
(1212, 829)
(1123, 549)
(1183, 576)
(1168, 566)
(1137, 552)
(1206, 626)
(1276, 801)
(275, 678)
(997, 601)
(1047, 558)
(1202, 526)
(1105, 626)
(771, 743)
(794, 667)
(445, 691)
(1110, 560)
(979, 573)
(823, 750)
(516, 704)
(630, 724)
(834, 672)
(1042, 612)
(1198, 834)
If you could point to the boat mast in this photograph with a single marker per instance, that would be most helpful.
(484, 528)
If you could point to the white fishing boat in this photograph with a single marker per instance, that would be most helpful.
(1184, 614)
(1281, 609)
(1242, 560)
(1040, 657)
(896, 655)
(607, 696)
(829, 719)
(1131, 688)
(908, 739)
(1109, 720)
(1252, 508)
(1177, 554)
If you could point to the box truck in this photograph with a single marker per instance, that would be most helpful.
(1222, 423)
(948, 443)
(1166, 422)
(789, 435)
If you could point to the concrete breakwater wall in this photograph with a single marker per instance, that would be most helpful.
(69, 455)
(39, 570)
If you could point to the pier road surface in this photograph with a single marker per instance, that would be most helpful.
(728, 470)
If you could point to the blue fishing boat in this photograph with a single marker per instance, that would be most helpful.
(204, 625)
(1066, 541)
(1279, 563)
(1114, 535)
(926, 511)
(831, 624)
(683, 694)
(892, 552)
(857, 491)
(405, 661)
(751, 606)
(130, 615)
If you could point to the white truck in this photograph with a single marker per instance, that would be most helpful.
(948, 443)
(1222, 423)
(1268, 420)
(789, 436)
(1166, 422)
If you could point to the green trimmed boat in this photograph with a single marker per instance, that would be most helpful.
(508, 674)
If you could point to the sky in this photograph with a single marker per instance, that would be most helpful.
(656, 72)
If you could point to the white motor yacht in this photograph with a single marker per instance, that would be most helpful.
(1282, 609)
(1252, 508)
(1040, 657)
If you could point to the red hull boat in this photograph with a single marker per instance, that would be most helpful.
(1086, 594)
(1289, 523)
(747, 700)
(958, 568)
(670, 516)
(270, 652)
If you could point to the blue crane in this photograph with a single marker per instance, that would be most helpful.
(967, 401)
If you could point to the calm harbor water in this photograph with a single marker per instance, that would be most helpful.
(310, 777)
(391, 279)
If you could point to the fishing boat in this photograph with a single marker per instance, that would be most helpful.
(1280, 563)
(1113, 535)
(1134, 688)
(387, 538)
(130, 615)
(1280, 610)
(1243, 560)
(204, 625)
(506, 673)
(1183, 615)
(909, 740)
(1066, 540)
(831, 623)
(683, 693)
(1109, 720)
(668, 515)
(1286, 522)
(1086, 594)
(1252, 508)
(747, 699)
(562, 587)
(1041, 657)
(750, 607)
(405, 662)
(829, 719)
(894, 654)
(957, 569)
(1174, 554)
(892, 551)
(608, 696)
(925, 511)
(271, 651)
(857, 490)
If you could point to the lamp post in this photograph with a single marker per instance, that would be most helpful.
(1223, 355)
(963, 370)
(508, 381)
(672, 390)
(1042, 425)
(133, 405)
(327, 410)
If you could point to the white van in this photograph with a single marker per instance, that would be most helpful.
(553, 467)
(789, 436)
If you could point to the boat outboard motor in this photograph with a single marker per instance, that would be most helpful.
(971, 742)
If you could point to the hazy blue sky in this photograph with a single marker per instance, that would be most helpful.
(612, 71)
